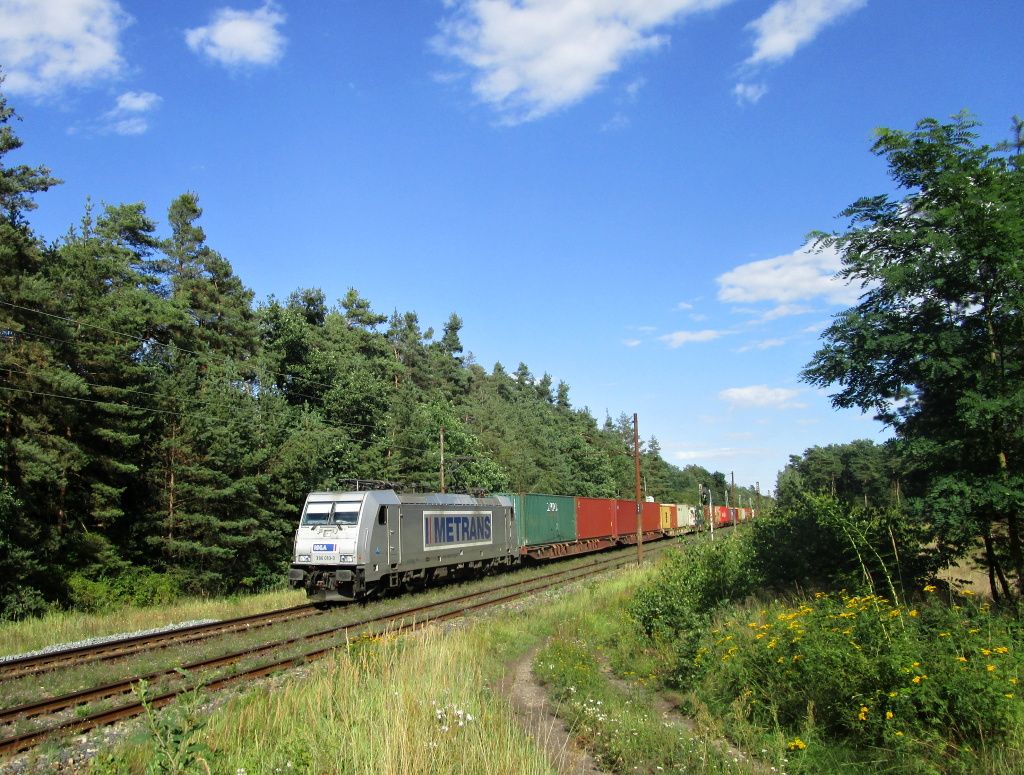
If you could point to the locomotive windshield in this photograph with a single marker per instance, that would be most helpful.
(331, 513)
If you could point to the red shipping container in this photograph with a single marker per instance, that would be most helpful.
(652, 516)
(595, 518)
(721, 516)
(625, 517)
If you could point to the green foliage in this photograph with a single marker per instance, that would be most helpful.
(817, 541)
(675, 605)
(131, 586)
(175, 732)
(936, 345)
(930, 680)
(858, 472)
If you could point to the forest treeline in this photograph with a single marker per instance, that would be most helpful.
(159, 429)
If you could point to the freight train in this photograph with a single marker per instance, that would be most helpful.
(354, 545)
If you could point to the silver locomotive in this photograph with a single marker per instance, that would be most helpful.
(353, 545)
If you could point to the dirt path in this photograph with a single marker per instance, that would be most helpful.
(530, 703)
(533, 708)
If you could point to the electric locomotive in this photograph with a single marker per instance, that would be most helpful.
(353, 545)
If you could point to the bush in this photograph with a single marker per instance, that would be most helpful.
(819, 542)
(674, 606)
(868, 671)
(130, 585)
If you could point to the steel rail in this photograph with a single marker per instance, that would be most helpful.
(121, 647)
(27, 740)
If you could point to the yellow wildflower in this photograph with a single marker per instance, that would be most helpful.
(796, 744)
(961, 659)
(888, 715)
(986, 652)
(929, 587)
(1009, 696)
(990, 668)
(1002, 650)
(863, 715)
(913, 613)
(916, 679)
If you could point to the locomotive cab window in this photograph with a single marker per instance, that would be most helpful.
(331, 513)
(382, 515)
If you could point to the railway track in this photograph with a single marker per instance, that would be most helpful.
(46, 714)
(122, 647)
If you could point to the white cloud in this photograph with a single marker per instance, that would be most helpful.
(716, 453)
(684, 305)
(764, 344)
(48, 45)
(126, 117)
(617, 122)
(749, 92)
(237, 38)
(790, 24)
(532, 57)
(803, 274)
(136, 125)
(632, 342)
(137, 102)
(679, 338)
(633, 87)
(761, 396)
(785, 311)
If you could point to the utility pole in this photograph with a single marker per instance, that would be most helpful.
(711, 511)
(732, 477)
(639, 504)
(757, 486)
(442, 458)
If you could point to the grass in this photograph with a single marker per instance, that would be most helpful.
(71, 626)
(836, 682)
(416, 703)
(618, 720)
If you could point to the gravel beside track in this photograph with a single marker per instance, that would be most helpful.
(59, 647)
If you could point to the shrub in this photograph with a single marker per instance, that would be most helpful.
(674, 605)
(128, 585)
(868, 670)
(820, 542)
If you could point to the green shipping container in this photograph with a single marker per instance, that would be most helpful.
(544, 519)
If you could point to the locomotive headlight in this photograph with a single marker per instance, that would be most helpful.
(303, 558)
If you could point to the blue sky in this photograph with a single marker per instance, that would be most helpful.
(616, 192)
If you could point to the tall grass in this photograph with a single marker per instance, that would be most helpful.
(409, 705)
(419, 703)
